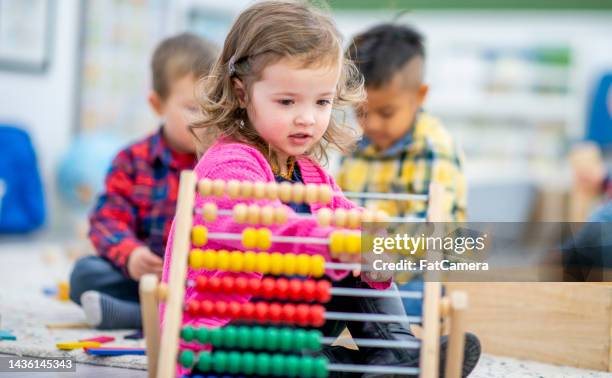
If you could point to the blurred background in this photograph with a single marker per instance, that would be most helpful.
(518, 83)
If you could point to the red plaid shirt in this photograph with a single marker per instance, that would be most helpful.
(139, 201)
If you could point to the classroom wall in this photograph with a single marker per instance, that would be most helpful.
(45, 102)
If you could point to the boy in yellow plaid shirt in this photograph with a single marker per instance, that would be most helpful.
(404, 148)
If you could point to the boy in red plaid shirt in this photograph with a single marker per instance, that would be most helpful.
(131, 221)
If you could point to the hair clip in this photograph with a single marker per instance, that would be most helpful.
(232, 65)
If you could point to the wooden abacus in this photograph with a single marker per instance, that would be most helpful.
(186, 252)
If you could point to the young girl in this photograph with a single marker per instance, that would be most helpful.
(267, 111)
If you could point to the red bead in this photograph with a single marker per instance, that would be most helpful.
(295, 289)
(220, 309)
(241, 285)
(323, 291)
(282, 288)
(214, 284)
(227, 285)
(207, 308)
(193, 308)
(288, 313)
(317, 315)
(201, 283)
(302, 317)
(254, 287)
(309, 290)
(234, 310)
(267, 290)
(247, 312)
(261, 312)
(275, 312)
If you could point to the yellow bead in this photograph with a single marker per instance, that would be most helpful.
(205, 187)
(253, 214)
(209, 211)
(336, 243)
(259, 190)
(340, 217)
(354, 218)
(297, 193)
(250, 261)
(325, 194)
(264, 239)
(267, 215)
(210, 260)
(324, 216)
(312, 193)
(240, 212)
(246, 189)
(284, 191)
(196, 259)
(223, 260)
(290, 264)
(249, 238)
(317, 266)
(381, 216)
(236, 261)
(276, 263)
(353, 243)
(218, 188)
(367, 216)
(272, 190)
(233, 188)
(199, 235)
(303, 261)
(280, 215)
(263, 263)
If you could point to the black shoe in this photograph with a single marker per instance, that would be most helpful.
(410, 358)
(471, 354)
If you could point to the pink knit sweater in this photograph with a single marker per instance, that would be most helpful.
(228, 160)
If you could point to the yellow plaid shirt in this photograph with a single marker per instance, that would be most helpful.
(427, 153)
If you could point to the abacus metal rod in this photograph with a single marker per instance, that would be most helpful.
(361, 317)
(277, 239)
(376, 343)
(386, 196)
(382, 369)
(410, 219)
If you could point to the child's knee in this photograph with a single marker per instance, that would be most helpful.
(83, 276)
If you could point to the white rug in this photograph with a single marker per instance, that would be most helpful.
(25, 268)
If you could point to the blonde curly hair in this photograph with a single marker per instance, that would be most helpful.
(263, 34)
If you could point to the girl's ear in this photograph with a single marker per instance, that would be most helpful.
(240, 91)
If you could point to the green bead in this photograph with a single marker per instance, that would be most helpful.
(205, 361)
(220, 362)
(263, 364)
(203, 335)
(187, 333)
(313, 340)
(278, 365)
(231, 337)
(320, 367)
(258, 335)
(187, 358)
(286, 339)
(248, 363)
(307, 367)
(234, 361)
(244, 337)
(216, 337)
(292, 366)
(299, 339)
(272, 339)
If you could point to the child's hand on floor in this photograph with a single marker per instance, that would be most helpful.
(142, 261)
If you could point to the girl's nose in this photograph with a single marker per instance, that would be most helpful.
(305, 118)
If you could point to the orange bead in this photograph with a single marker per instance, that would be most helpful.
(253, 213)
(297, 193)
(209, 211)
(246, 189)
(312, 193)
(218, 188)
(205, 187)
(240, 213)
(325, 194)
(259, 190)
(233, 189)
